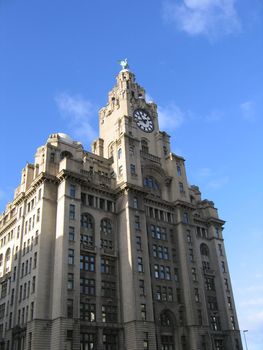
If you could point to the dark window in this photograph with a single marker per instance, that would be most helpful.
(110, 341)
(88, 312)
(70, 308)
(87, 286)
(71, 233)
(107, 265)
(72, 190)
(109, 313)
(87, 341)
(87, 262)
(143, 312)
(140, 264)
(106, 226)
(71, 211)
(108, 289)
(71, 256)
(70, 281)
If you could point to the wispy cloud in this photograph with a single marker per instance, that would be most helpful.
(211, 18)
(212, 179)
(79, 112)
(248, 110)
(171, 116)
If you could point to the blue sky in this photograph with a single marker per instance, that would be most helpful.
(199, 60)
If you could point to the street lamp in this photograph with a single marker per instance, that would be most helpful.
(244, 332)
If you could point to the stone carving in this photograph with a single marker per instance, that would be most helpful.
(124, 63)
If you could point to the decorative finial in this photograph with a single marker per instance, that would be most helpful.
(124, 63)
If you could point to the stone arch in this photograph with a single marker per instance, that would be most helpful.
(66, 154)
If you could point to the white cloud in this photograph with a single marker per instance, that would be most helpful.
(211, 18)
(170, 117)
(248, 110)
(79, 113)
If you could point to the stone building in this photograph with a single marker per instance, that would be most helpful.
(111, 249)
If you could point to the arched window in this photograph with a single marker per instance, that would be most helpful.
(87, 229)
(204, 250)
(65, 154)
(106, 226)
(150, 182)
(7, 254)
(87, 221)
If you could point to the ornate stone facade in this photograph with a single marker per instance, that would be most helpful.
(111, 249)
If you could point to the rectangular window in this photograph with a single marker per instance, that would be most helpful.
(33, 284)
(229, 302)
(71, 256)
(109, 313)
(209, 283)
(138, 243)
(140, 264)
(35, 260)
(137, 224)
(196, 292)
(215, 323)
(72, 190)
(133, 169)
(181, 187)
(36, 238)
(108, 289)
(212, 303)
(194, 276)
(102, 203)
(178, 168)
(88, 312)
(176, 274)
(32, 310)
(142, 287)
(2, 311)
(146, 341)
(110, 341)
(72, 212)
(90, 200)
(232, 320)
(70, 308)
(87, 286)
(70, 281)
(38, 214)
(87, 341)
(87, 262)
(71, 233)
(191, 255)
(185, 218)
(135, 203)
(107, 265)
(143, 312)
(223, 267)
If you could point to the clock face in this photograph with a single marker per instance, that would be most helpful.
(143, 120)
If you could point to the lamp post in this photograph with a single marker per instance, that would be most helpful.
(244, 332)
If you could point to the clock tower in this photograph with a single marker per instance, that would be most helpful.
(129, 130)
